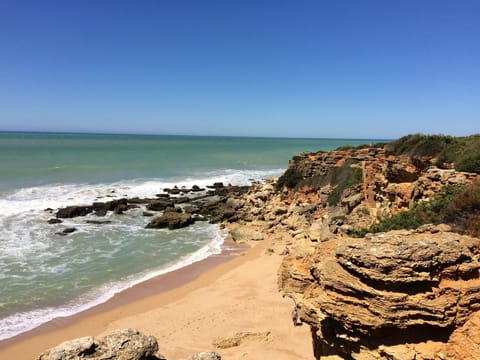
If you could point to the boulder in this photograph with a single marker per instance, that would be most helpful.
(319, 231)
(217, 211)
(127, 344)
(171, 220)
(196, 188)
(159, 205)
(241, 234)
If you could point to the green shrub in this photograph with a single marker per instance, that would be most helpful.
(362, 146)
(419, 145)
(290, 178)
(427, 212)
(469, 163)
(345, 148)
(464, 152)
(463, 212)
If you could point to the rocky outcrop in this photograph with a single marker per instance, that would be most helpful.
(388, 289)
(127, 344)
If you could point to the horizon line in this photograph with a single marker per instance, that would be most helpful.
(183, 135)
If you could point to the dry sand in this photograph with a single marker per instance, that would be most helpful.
(191, 308)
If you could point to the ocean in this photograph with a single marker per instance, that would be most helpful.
(44, 275)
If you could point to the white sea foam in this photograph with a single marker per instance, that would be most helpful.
(24, 321)
(58, 195)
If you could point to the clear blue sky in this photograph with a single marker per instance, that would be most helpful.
(358, 68)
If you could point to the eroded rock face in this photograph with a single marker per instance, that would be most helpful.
(396, 288)
(127, 344)
(390, 184)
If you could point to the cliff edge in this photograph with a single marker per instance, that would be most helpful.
(383, 247)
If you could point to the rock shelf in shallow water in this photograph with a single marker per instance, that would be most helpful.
(216, 205)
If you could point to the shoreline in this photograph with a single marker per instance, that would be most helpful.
(183, 293)
(155, 286)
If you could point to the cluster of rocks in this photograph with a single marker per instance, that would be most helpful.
(126, 344)
(214, 205)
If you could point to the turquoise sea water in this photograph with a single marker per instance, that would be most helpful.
(44, 275)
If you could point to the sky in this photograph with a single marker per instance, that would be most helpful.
(318, 69)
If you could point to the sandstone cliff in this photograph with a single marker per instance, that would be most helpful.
(399, 295)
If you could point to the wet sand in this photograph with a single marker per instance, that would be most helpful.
(187, 309)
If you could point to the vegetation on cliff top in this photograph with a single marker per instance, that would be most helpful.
(363, 146)
(454, 205)
(463, 153)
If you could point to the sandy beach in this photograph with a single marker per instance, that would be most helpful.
(187, 310)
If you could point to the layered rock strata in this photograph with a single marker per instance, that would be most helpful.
(387, 289)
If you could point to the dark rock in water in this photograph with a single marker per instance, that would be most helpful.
(67, 231)
(98, 222)
(189, 209)
(171, 220)
(121, 208)
(54, 221)
(196, 188)
(127, 344)
(159, 205)
(48, 210)
(117, 206)
(137, 200)
(217, 185)
(164, 196)
(173, 210)
(174, 191)
(147, 213)
(217, 211)
(100, 209)
(73, 211)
